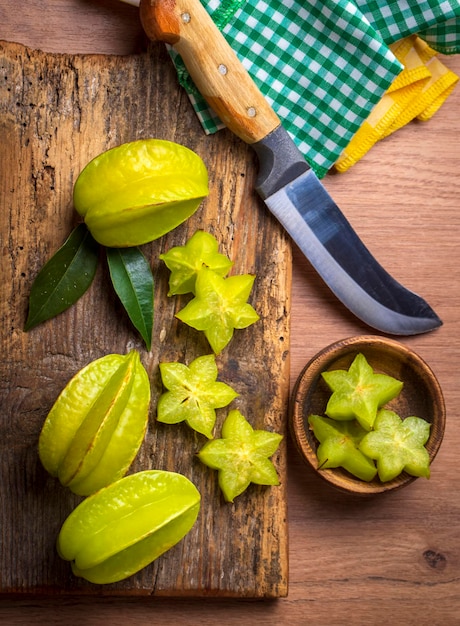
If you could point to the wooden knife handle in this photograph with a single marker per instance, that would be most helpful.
(214, 67)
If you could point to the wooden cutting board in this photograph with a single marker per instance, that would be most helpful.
(58, 112)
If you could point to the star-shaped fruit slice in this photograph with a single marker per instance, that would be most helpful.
(398, 445)
(219, 306)
(184, 262)
(359, 392)
(241, 456)
(193, 394)
(338, 446)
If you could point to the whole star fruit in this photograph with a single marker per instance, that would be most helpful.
(339, 446)
(184, 262)
(359, 392)
(97, 424)
(122, 528)
(138, 191)
(193, 394)
(241, 456)
(398, 445)
(219, 307)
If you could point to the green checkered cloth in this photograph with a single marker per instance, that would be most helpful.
(444, 37)
(436, 22)
(321, 64)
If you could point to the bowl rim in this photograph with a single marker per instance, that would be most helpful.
(306, 382)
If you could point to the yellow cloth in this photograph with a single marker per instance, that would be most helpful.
(416, 93)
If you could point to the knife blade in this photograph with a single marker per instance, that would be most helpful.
(285, 181)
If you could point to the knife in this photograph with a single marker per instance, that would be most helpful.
(285, 181)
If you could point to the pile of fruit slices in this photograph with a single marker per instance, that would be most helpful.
(363, 437)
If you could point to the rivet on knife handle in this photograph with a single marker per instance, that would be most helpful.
(212, 64)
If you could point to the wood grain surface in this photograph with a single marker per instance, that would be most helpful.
(390, 560)
(61, 111)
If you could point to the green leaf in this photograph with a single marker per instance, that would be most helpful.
(132, 279)
(64, 278)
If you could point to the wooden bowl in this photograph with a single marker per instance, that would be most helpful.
(421, 396)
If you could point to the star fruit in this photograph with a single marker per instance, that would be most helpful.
(398, 445)
(123, 527)
(219, 306)
(140, 190)
(339, 446)
(97, 424)
(359, 392)
(241, 456)
(184, 262)
(193, 394)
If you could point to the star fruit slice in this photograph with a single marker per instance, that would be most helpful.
(193, 394)
(359, 392)
(220, 306)
(184, 262)
(339, 446)
(241, 456)
(398, 445)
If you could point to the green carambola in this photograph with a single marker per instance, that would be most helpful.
(193, 394)
(219, 307)
(96, 426)
(358, 393)
(241, 456)
(398, 445)
(185, 262)
(122, 528)
(138, 191)
(339, 446)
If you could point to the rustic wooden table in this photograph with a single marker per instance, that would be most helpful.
(390, 560)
